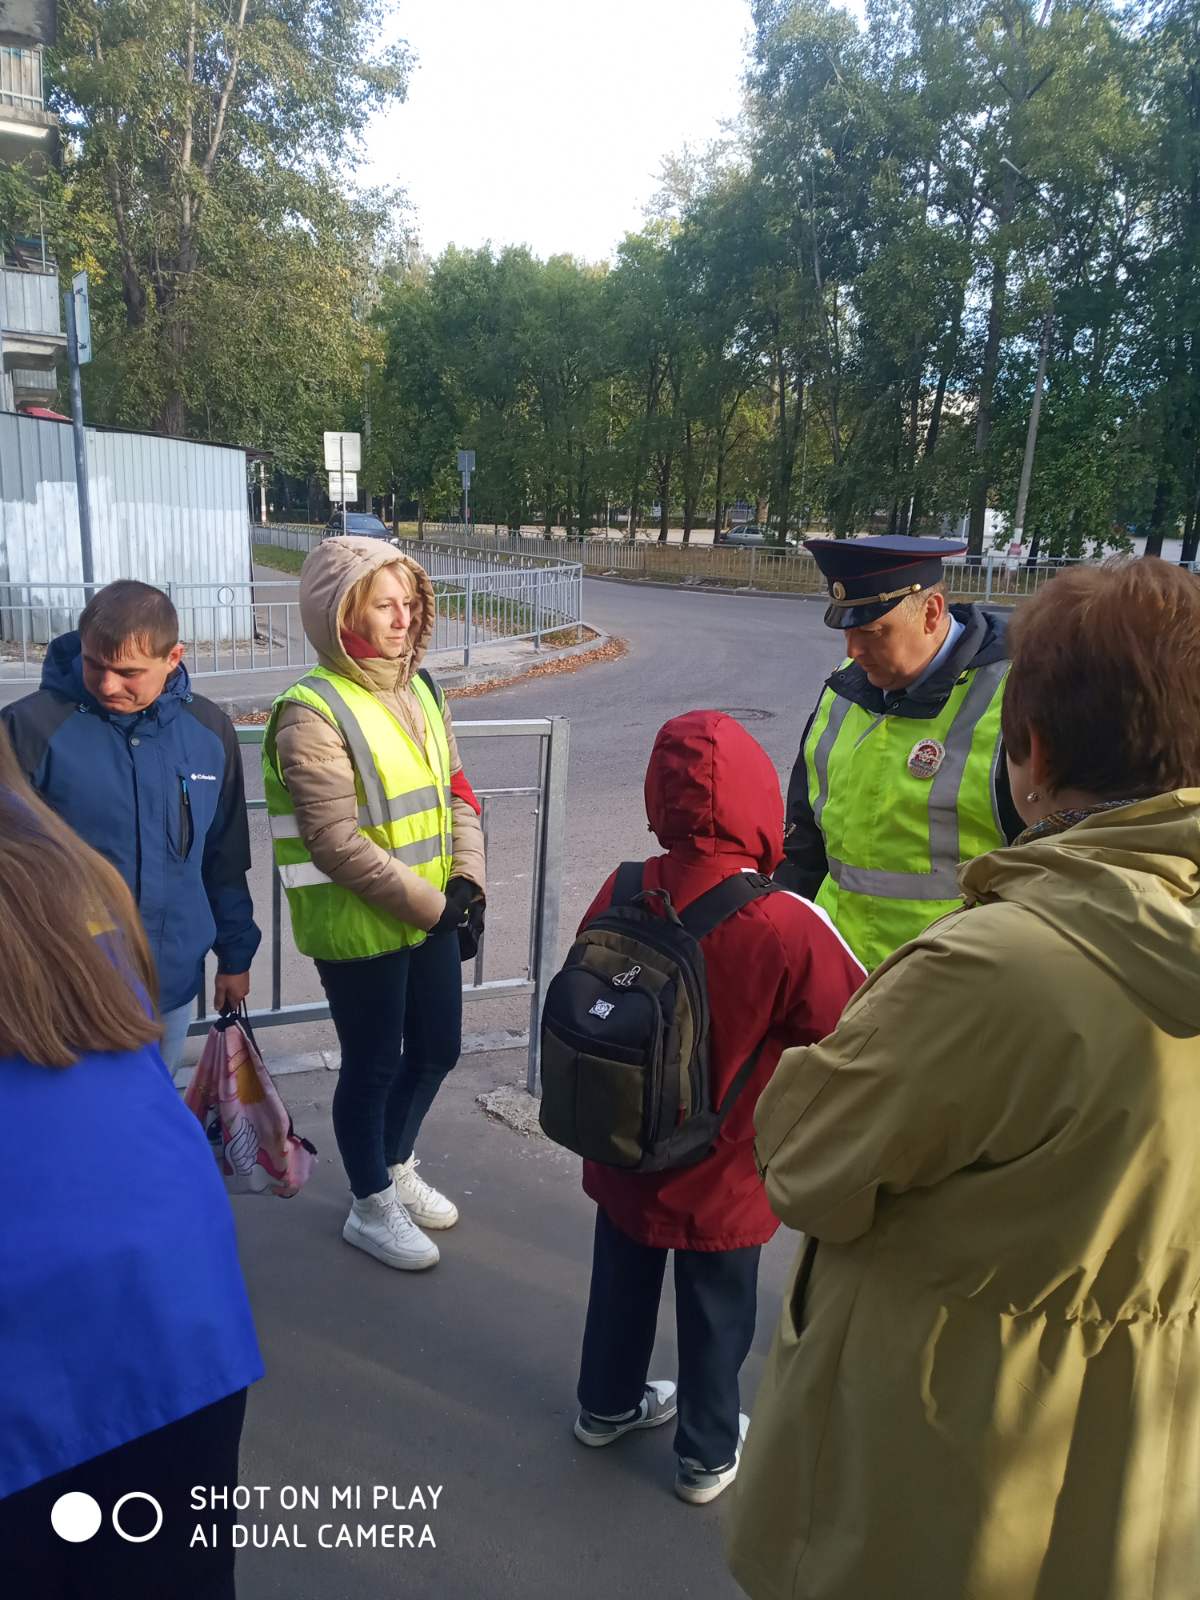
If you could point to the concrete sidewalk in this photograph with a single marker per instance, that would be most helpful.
(462, 1377)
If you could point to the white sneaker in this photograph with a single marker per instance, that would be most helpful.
(657, 1406)
(698, 1484)
(381, 1226)
(422, 1201)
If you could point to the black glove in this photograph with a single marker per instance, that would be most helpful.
(471, 932)
(460, 892)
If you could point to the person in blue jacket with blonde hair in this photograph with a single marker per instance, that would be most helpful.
(126, 1339)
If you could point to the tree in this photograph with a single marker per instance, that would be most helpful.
(215, 140)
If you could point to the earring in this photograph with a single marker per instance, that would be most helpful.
(1032, 797)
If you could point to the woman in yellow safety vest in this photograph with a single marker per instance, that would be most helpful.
(378, 843)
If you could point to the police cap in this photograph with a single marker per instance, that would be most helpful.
(868, 577)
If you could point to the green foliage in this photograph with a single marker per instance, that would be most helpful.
(836, 309)
(207, 154)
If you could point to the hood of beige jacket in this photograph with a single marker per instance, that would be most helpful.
(328, 575)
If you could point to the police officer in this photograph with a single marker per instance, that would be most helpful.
(900, 775)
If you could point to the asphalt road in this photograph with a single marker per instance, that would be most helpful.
(463, 1378)
(761, 657)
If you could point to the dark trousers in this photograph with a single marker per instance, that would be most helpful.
(201, 1449)
(399, 1023)
(716, 1299)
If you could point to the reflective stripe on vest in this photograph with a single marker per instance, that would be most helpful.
(400, 810)
(894, 841)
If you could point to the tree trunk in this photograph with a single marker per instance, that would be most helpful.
(420, 518)
(664, 497)
(1158, 516)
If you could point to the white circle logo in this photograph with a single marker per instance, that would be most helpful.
(137, 1538)
(75, 1517)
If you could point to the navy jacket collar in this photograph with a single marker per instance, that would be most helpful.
(62, 674)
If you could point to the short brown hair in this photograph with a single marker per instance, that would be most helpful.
(75, 970)
(1106, 671)
(128, 612)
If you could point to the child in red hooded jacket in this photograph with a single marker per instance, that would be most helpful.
(778, 975)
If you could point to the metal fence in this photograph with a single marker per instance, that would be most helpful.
(994, 576)
(251, 627)
(549, 794)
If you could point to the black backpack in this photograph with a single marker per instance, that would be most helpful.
(625, 1049)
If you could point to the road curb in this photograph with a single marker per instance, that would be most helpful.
(704, 588)
(493, 674)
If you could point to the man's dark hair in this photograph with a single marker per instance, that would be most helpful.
(129, 613)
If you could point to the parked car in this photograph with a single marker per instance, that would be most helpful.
(753, 536)
(361, 523)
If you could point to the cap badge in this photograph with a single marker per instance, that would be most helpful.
(838, 591)
(926, 757)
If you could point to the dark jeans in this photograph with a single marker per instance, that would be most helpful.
(399, 1023)
(716, 1300)
(201, 1449)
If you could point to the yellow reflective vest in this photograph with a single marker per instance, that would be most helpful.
(896, 832)
(403, 806)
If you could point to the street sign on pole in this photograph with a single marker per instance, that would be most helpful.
(343, 486)
(343, 452)
(83, 317)
(81, 477)
(466, 466)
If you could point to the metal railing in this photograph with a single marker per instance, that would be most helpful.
(549, 793)
(254, 627)
(994, 576)
(21, 78)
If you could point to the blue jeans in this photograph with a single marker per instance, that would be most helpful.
(399, 1024)
(175, 1027)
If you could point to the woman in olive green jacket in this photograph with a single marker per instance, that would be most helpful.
(986, 1378)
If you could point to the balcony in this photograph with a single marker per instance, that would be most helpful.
(31, 333)
(27, 130)
(31, 387)
(26, 22)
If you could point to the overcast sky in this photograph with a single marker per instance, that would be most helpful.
(544, 122)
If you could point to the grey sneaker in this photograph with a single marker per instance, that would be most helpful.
(657, 1407)
(699, 1484)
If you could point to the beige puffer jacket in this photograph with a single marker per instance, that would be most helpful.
(315, 763)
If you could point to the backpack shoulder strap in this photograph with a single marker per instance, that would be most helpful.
(713, 907)
(434, 687)
(628, 883)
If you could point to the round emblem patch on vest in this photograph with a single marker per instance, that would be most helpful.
(925, 757)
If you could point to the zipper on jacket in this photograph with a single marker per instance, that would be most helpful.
(186, 826)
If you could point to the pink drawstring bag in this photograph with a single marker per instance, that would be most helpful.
(249, 1128)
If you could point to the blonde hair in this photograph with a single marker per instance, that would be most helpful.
(358, 596)
(76, 974)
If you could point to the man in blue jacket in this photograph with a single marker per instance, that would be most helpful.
(150, 775)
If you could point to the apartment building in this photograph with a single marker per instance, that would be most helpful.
(32, 340)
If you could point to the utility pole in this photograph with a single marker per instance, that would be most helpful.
(367, 502)
(1039, 382)
(80, 438)
(1031, 433)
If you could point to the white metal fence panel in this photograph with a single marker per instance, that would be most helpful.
(167, 511)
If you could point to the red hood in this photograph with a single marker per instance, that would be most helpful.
(711, 790)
